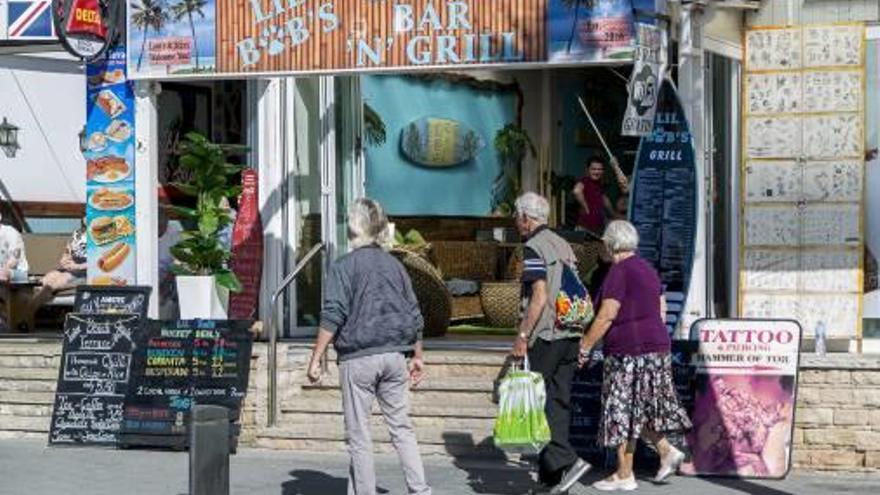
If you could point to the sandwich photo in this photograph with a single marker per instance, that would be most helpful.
(107, 199)
(105, 280)
(97, 141)
(105, 230)
(110, 103)
(114, 257)
(107, 77)
(107, 169)
(118, 131)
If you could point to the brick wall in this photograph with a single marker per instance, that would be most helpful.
(837, 423)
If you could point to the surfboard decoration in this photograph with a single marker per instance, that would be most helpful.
(664, 201)
(439, 142)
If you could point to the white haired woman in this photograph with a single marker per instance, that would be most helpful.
(372, 317)
(638, 395)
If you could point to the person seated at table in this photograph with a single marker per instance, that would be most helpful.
(595, 207)
(13, 260)
(71, 272)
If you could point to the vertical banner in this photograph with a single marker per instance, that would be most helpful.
(109, 141)
(644, 83)
(744, 404)
(247, 249)
(664, 202)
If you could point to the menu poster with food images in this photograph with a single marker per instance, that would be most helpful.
(744, 400)
(109, 142)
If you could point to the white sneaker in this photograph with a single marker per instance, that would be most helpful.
(670, 465)
(614, 484)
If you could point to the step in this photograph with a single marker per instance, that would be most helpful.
(27, 398)
(25, 410)
(426, 434)
(25, 423)
(28, 374)
(429, 384)
(30, 361)
(24, 347)
(464, 398)
(334, 407)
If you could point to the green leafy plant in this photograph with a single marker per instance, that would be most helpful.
(412, 239)
(200, 252)
(513, 143)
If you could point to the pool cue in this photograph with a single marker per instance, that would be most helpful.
(621, 178)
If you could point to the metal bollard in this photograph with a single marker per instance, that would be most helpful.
(209, 451)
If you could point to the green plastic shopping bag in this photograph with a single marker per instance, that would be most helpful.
(521, 425)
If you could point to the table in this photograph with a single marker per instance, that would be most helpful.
(14, 301)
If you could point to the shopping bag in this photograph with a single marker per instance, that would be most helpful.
(521, 425)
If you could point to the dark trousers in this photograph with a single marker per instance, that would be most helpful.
(557, 362)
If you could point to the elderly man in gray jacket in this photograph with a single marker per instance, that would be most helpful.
(372, 317)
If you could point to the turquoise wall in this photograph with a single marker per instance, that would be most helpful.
(405, 188)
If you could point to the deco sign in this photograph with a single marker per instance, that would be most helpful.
(86, 27)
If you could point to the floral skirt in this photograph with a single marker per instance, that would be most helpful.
(638, 394)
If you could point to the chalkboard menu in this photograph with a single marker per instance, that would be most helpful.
(110, 300)
(180, 364)
(93, 378)
(586, 403)
(664, 201)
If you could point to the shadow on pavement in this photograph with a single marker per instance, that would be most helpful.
(487, 468)
(745, 486)
(309, 482)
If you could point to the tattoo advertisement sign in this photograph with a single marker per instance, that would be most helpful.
(744, 402)
(192, 38)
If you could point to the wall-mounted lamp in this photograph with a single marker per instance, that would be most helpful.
(9, 138)
(83, 144)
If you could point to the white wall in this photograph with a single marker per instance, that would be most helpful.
(44, 95)
(783, 12)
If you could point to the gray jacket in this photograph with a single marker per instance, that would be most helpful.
(369, 305)
(555, 251)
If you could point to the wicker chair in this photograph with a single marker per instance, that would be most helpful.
(434, 299)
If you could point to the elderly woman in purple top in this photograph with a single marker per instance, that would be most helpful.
(638, 397)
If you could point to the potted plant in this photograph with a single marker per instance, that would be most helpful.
(512, 143)
(204, 279)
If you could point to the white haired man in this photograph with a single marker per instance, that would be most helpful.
(372, 317)
(551, 351)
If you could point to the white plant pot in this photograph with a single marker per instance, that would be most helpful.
(200, 298)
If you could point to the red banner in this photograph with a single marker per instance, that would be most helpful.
(247, 249)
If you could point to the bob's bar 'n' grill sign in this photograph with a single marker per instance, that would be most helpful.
(255, 37)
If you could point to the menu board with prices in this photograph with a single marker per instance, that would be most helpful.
(177, 366)
(93, 378)
(664, 204)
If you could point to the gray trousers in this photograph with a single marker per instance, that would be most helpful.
(384, 377)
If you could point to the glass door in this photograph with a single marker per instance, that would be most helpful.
(322, 153)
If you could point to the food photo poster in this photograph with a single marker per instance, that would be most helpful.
(109, 151)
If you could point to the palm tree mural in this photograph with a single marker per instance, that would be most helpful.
(146, 15)
(576, 5)
(186, 9)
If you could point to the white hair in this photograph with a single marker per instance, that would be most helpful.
(367, 224)
(533, 206)
(621, 237)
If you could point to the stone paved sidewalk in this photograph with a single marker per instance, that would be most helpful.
(29, 467)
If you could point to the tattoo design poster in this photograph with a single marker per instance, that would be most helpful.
(744, 404)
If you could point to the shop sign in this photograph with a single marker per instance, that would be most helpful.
(259, 37)
(644, 83)
(168, 51)
(109, 153)
(86, 28)
(664, 202)
(744, 402)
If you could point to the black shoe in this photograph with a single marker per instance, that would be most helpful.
(571, 476)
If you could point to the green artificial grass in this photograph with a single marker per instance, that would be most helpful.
(479, 330)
